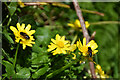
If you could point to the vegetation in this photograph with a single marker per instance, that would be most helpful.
(35, 61)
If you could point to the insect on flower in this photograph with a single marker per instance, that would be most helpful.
(24, 35)
(90, 48)
(90, 51)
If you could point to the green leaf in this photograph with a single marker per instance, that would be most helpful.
(7, 56)
(61, 69)
(43, 36)
(9, 68)
(12, 7)
(39, 59)
(33, 70)
(23, 73)
(38, 49)
(18, 67)
(40, 72)
(28, 19)
(7, 36)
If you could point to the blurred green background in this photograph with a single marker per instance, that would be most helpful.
(36, 62)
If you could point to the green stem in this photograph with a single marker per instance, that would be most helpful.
(4, 77)
(16, 55)
(9, 21)
(4, 53)
(75, 38)
(8, 16)
(96, 59)
(93, 12)
(105, 22)
(61, 69)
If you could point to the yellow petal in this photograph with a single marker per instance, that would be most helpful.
(18, 26)
(14, 29)
(77, 23)
(54, 53)
(57, 37)
(84, 54)
(98, 67)
(51, 47)
(31, 32)
(79, 44)
(21, 3)
(31, 38)
(84, 49)
(67, 45)
(32, 42)
(71, 25)
(54, 41)
(79, 53)
(30, 45)
(28, 27)
(87, 24)
(24, 46)
(80, 62)
(58, 50)
(63, 38)
(84, 41)
(73, 47)
(63, 51)
(92, 44)
(66, 42)
(74, 56)
(95, 51)
(17, 40)
(22, 27)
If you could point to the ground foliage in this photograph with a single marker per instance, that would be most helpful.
(36, 62)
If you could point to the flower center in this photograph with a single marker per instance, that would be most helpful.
(85, 49)
(24, 36)
(60, 44)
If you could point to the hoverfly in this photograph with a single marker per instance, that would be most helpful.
(24, 35)
(90, 51)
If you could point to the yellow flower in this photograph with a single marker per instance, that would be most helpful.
(72, 47)
(23, 35)
(98, 67)
(82, 62)
(74, 56)
(101, 72)
(21, 3)
(59, 46)
(76, 25)
(84, 48)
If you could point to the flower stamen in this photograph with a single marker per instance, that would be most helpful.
(60, 44)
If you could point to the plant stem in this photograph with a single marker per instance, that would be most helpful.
(105, 22)
(85, 33)
(66, 6)
(96, 59)
(16, 55)
(61, 69)
(93, 12)
(9, 21)
(75, 38)
(81, 19)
